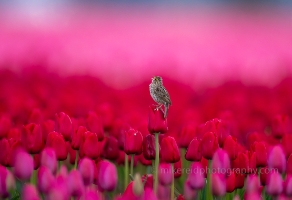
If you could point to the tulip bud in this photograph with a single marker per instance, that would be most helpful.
(189, 192)
(5, 125)
(221, 162)
(56, 141)
(133, 142)
(86, 168)
(111, 148)
(7, 182)
(187, 134)
(218, 184)
(64, 125)
(260, 150)
(8, 149)
(149, 194)
(107, 176)
(71, 153)
(156, 121)
(274, 184)
(35, 116)
(264, 172)
(149, 147)
(252, 183)
(209, 145)
(45, 179)
(288, 185)
(280, 125)
(148, 180)
(177, 166)
(32, 138)
(230, 182)
(138, 187)
(36, 161)
(94, 125)
(252, 196)
(47, 127)
(165, 174)
(194, 151)
(246, 162)
(277, 159)
(196, 177)
(75, 183)
(231, 147)
(29, 192)
(289, 165)
(169, 150)
(49, 159)
(77, 137)
(239, 180)
(90, 147)
(21, 170)
(286, 144)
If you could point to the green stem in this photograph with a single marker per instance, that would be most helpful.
(208, 189)
(33, 177)
(76, 159)
(126, 171)
(59, 164)
(172, 184)
(184, 165)
(156, 162)
(132, 165)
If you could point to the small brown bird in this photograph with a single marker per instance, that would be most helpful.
(160, 94)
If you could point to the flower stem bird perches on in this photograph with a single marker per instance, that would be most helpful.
(160, 94)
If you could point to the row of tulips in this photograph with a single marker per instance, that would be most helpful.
(106, 154)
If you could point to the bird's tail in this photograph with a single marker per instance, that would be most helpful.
(166, 106)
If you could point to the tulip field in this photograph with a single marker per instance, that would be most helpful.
(74, 137)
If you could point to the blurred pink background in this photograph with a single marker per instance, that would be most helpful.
(124, 45)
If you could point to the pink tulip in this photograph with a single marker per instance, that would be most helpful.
(189, 192)
(149, 194)
(7, 182)
(196, 177)
(91, 194)
(277, 159)
(49, 159)
(29, 192)
(220, 162)
(107, 176)
(218, 184)
(274, 183)
(165, 174)
(23, 165)
(288, 185)
(252, 196)
(45, 179)
(75, 183)
(252, 183)
(86, 168)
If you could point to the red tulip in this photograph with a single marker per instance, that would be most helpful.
(7, 182)
(194, 150)
(35, 116)
(149, 147)
(286, 144)
(239, 180)
(23, 165)
(280, 125)
(246, 162)
(14, 133)
(231, 182)
(169, 150)
(47, 127)
(5, 125)
(94, 125)
(36, 161)
(71, 153)
(111, 148)
(107, 178)
(77, 137)
(196, 176)
(64, 125)
(177, 169)
(186, 135)
(143, 161)
(56, 141)
(289, 165)
(133, 142)
(209, 145)
(277, 159)
(29, 192)
(106, 112)
(8, 148)
(156, 121)
(264, 172)
(260, 150)
(274, 184)
(90, 147)
(218, 184)
(231, 147)
(32, 138)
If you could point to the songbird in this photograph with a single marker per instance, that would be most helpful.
(159, 94)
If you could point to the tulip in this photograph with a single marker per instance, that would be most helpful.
(209, 145)
(94, 124)
(72, 154)
(91, 194)
(133, 142)
(177, 169)
(180, 197)
(218, 184)
(156, 121)
(143, 161)
(45, 179)
(14, 133)
(252, 183)
(196, 176)
(186, 135)
(239, 180)
(111, 148)
(77, 137)
(221, 162)
(23, 165)
(169, 150)
(163, 192)
(246, 162)
(230, 182)
(36, 116)
(29, 192)
(7, 182)
(260, 150)
(252, 196)
(189, 192)
(36, 161)
(165, 174)
(289, 165)
(49, 159)
(288, 185)
(56, 141)
(286, 144)
(274, 184)
(264, 172)
(194, 150)
(86, 168)
(90, 147)
(8, 149)
(75, 183)
(47, 127)
(64, 125)
(277, 159)
(149, 147)
(32, 138)
(59, 189)
(231, 147)
(5, 125)
(149, 194)
(107, 176)
(280, 125)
